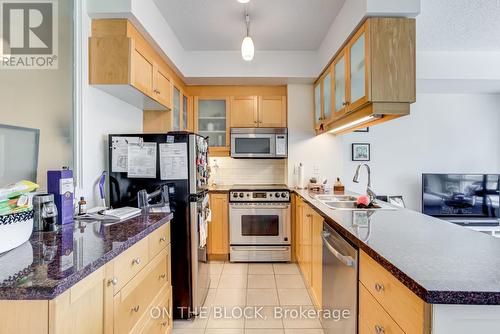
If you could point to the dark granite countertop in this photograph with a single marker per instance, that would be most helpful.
(440, 262)
(52, 262)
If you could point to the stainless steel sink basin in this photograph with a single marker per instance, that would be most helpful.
(336, 198)
(336, 205)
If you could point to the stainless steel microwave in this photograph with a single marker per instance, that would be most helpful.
(259, 143)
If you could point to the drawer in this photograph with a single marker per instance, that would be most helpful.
(159, 239)
(373, 319)
(410, 312)
(162, 323)
(129, 263)
(132, 302)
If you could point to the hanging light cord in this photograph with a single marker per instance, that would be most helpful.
(247, 21)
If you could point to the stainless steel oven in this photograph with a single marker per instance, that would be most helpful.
(259, 142)
(260, 225)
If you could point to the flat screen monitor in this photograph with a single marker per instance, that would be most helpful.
(18, 154)
(461, 195)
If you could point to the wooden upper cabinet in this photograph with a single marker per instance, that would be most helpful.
(212, 121)
(163, 87)
(318, 106)
(340, 85)
(272, 112)
(358, 67)
(258, 111)
(142, 71)
(244, 112)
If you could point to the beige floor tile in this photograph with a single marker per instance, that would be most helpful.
(214, 281)
(303, 331)
(225, 331)
(198, 323)
(294, 297)
(188, 331)
(290, 282)
(235, 268)
(230, 297)
(263, 331)
(225, 323)
(209, 300)
(263, 317)
(286, 269)
(215, 268)
(261, 282)
(262, 297)
(233, 282)
(303, 320)
(260, 269)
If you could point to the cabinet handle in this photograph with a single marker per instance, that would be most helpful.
(379, 287)
(135, 308)
(158, 92)
(344, 103)
(113, 281)
(137, 260)
(164, 323)
(379, 329)
(162, 276)
(308, 215)
(163, 239)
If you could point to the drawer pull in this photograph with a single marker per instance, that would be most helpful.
(162, 276)
(135, 308)
(164, 323)
(137, 261)
(113, 281)
(379, 287)
(379, 329)
(163, 239)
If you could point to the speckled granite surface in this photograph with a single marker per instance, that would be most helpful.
(52, 262)
(440, 262)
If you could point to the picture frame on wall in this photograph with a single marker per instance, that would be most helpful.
(361, 152)
(367, 129)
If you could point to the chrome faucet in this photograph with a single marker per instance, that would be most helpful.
(371, 194)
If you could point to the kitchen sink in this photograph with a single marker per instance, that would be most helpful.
(336, 198)
(339, 205)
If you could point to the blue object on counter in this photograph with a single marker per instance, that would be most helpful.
(60, 183)
(102, 182)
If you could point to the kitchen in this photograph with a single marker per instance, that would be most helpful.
(141, 70)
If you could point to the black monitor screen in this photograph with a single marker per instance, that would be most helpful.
(461, 195)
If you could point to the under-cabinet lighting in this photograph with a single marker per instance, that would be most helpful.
(354, 123)
(243, 1)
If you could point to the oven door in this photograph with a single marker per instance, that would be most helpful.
(253, 145)
(259, 223)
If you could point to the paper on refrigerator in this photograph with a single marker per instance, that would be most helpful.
(119, 155)
(142, 160)
(173, 161)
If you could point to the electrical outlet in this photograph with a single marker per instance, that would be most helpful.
(316, 169)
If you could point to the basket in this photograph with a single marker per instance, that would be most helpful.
(15, 229)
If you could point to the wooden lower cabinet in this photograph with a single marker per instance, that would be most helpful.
(309, 248)
(381, 289)
(218, 228)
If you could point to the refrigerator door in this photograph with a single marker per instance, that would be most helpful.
(199, 265)
(198, 163)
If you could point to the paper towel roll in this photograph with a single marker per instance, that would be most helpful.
(300, 176)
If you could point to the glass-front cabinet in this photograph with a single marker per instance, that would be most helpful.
(318, 112)
(327, 96)
(358, 84)
(176, 110)
(212, 122)
(323, 100)
(185, 113)
(339, 84)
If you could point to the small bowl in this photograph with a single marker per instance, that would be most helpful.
(15, 229)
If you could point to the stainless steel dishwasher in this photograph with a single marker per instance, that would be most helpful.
(340, 283)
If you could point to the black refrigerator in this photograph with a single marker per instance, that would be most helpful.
(181, 164)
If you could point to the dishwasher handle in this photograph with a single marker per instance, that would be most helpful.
(347, 260)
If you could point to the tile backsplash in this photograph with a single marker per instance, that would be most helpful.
(228, 171)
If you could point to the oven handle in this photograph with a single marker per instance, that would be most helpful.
(260, 249)
(255, 206)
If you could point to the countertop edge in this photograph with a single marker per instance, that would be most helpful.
(38, 293)
(428, 296)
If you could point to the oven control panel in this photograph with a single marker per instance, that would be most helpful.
(260, 196)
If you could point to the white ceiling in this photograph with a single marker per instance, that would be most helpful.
(275, 24)
(450, 25)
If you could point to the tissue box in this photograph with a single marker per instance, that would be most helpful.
(60, 183)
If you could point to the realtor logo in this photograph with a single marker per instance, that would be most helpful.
(29, 34)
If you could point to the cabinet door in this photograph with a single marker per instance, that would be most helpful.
(306, 244)
(176, 110)
(141, 71)
(185, 123)
(272, 112)
(317, 259)
(80, 309)
(327, 96)
(298, 230)
(163, 88)
(318, 107)
(211, 116)
(218, 229)
(340, 84)
(358, 69)
(244, 112)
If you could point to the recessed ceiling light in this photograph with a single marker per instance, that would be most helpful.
(243, 1)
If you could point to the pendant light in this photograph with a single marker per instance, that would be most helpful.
(247, 47)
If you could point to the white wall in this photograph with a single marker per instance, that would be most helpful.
(320, 155)
(102, 114)
(444, 133)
